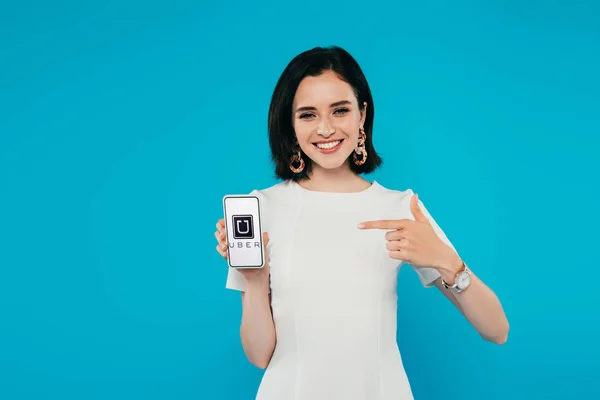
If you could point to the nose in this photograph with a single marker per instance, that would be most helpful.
(325, 129)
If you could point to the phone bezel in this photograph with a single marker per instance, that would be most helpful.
(260, 238)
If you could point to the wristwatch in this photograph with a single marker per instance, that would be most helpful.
(461, 281)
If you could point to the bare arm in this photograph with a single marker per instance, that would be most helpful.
(257, 330)
(417, 242)
(479, 304)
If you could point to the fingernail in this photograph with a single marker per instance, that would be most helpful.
(360, 226)
(223, 246)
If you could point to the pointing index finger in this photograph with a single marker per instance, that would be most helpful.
(383, 224)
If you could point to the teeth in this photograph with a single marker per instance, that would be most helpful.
(329, 145)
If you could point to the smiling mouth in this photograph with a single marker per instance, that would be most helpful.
(328, 145)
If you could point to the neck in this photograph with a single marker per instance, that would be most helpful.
(341, 179)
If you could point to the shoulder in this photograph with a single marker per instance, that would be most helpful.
(275, 204)
(278, 191)
(393, 195)
(393, 203)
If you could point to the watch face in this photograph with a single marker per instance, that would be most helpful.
(463, 280)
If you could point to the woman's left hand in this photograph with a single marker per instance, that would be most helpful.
(415, 242)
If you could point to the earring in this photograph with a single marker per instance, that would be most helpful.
(360, 154)
(296, 162)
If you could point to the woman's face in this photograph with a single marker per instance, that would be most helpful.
(327, 119)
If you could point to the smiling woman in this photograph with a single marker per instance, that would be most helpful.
(320, 315)
(315, 130)
(331, 102)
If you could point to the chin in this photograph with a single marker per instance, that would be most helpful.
(331, 166)
(329, 162)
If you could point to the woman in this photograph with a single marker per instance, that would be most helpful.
(321, 314)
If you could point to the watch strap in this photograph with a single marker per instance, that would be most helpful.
(454, 286)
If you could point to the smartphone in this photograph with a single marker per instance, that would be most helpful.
(244, 232)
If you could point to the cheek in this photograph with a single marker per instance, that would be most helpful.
(350, 129)
(303, 133)
(349, 125)
(301, 128)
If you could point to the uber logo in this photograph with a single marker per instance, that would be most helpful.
(243, 227)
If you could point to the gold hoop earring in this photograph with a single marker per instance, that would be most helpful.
(360, 154)
(296, 162)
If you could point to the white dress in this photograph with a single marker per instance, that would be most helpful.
(333, 290)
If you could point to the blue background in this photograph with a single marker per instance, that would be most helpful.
(123, 125)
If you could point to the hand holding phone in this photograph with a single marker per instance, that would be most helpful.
(251, 275)
(242, 232)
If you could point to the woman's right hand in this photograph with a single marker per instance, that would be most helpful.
(250, 274)
(257, 329)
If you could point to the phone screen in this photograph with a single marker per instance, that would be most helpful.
(244, 233)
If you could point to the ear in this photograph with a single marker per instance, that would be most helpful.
(363, 114)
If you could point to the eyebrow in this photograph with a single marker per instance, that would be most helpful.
(336, 104)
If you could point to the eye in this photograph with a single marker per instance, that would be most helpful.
(306, 116)
(341, 111)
